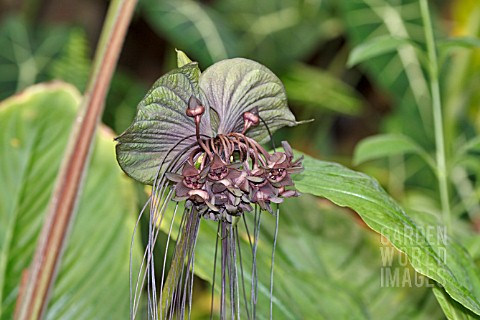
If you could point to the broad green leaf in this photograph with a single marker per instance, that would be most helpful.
(161, 130)
(452, 309)
(301, 287)
(375, 47)
(93, 276)
(234, 86)
(385, 145)
(441, 260)
(317, 253)
(314, 87)
(192, 26)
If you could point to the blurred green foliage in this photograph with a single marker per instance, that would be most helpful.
(308, 43)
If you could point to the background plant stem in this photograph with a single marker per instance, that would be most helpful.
(34, 291)
(442, 174)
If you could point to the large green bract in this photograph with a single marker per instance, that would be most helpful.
(161, 131)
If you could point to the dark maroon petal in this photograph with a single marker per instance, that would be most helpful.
(173, 177)
(255, 179)
(235, 191)
(290, 193)
(288, 150)
(181, 190)
(211, 206)
(189, 170)
(277, 158)
(276, 199)
(196, 194)
(218, 187)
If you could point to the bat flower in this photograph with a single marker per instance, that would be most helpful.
(197, 139)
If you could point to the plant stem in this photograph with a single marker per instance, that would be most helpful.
(442, 173)
(34, 291)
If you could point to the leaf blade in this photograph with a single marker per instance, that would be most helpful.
(385, 145)
(363, 194)
(374, 48)
(37, 123)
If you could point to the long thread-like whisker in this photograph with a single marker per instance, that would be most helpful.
(175, 291)
(230, 262)
(214, 269)
(269, 132)
(248, 232)
(232, 272)
(223, 271)
(132, 298)
(235, 269)
(275, 235)
(242, 275)
(166, 253)
(188, 255)
(138, 287)
(159, 183)
(147, 257)
(172, 274)
(192, 273)
(189, 270)
(256, 232)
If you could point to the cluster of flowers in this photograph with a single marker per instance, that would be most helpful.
(225, 175)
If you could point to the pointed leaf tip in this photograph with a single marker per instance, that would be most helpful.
(182, 58)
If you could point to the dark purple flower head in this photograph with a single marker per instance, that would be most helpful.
(197, 138)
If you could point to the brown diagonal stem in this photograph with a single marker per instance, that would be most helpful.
(34, 291)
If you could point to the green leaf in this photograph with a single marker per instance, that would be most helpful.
(234, 86)
(35, 126)
(441, 260)
(385, 145)
(317, 253)
(375, 47)
(473, 146)
(296, 277)
(462, 42)
(452, 309)
(310, 86)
